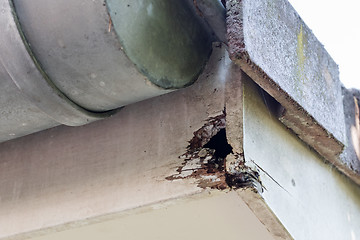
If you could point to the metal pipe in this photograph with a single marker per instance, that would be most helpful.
(76, 61)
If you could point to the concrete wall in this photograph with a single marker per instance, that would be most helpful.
(271, 43)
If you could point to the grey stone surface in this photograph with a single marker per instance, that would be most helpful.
(271, 43)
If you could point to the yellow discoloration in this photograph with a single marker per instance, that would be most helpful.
(301, 41)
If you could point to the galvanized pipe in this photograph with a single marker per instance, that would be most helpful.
(27, 74)
(73, 61)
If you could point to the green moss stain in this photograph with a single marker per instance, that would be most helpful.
(300, 50)
(301, 60)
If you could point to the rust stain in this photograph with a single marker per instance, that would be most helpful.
(198, 11)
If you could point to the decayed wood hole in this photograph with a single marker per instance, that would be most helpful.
(205, 159)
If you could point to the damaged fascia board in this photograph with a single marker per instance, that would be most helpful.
(271, 43)
(67, 175)
(233, 173)
(129, 153)
(214, 157)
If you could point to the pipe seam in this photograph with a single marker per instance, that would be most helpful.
(27, 74)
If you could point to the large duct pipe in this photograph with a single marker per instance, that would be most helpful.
(72, 62)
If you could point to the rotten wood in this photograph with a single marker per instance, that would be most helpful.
(211, 162)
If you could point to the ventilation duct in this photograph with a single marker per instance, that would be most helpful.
(72, 62)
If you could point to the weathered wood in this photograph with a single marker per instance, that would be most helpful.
(351, 155)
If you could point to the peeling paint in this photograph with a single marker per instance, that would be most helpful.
(210, 160)
(208, 173)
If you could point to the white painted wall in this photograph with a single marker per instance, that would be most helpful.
(317, 202)
(210, 216)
